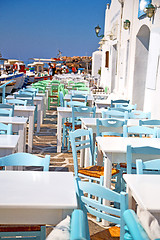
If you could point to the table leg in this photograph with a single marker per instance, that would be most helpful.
(59, 129)
(38, 117)
(30, 133)
(21, 142)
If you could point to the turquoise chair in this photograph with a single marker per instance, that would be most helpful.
(27, 96)
(126, 106)
(152, 166)
(114, 114)
(139, 131)
(140, 152)
(6, 112)
(119, 101)
(96, 208)
(17, 102)
(121, 109)
(134, 230)
(5, 128)
(136, 114)
(8, 107)
(25, 159)
(149, 122)
(77, 97)
(25, 232)
(115, 128)
(28, 91)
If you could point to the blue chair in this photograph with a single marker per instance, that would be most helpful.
(27, 96)
(8, 107)
(149, 122)
(114, 114)
(17, 102)
(140, 131)
(30, 91)
(25, 159)
(134, 230)
(79, 97)
(121, 109)
(136, 114)
(126, 106)
(5, 128)
(119, 101)
(6, 112)
(25, 232)
(152, 166)
(96, 208)
(140, 152)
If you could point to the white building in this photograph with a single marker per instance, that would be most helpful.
(96, 63)
(131, 58)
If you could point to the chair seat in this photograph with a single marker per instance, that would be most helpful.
(114, 231)
(69, 124)
(96, 171)
(20, 228)
(124, 165)
(53, 96)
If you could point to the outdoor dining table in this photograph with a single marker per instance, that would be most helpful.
(114, 150)
(90, 99)
(35, 197)
(27, 111)
(8, 144)
(19, 125)
(39, 102)
(65, 112)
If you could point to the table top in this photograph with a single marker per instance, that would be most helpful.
(68, 109)
(24, 108)
(35, 98)
(92, 121)
(144, 189)
(52, 190)
(13, 120)
(68, 97)
(119, 144)
(8, 141)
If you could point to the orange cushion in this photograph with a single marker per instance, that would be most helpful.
(95, 171)
(114, 231)
(69, 124)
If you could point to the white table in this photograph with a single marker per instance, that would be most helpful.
(8, 144)
(39, 102)
(65, 112)
(143, 188)
(90, 99)
(114, 149)
(18, 125)
(103, 103)
(41, 197)
(27, 111)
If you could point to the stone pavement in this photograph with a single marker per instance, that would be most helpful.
(45, 142)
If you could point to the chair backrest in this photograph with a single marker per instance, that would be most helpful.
(55, 82)
(29, 97)
(30, 90)
(6, 112)
(74, 103)
(98, 209)
(80, 97)
(119, 101)
(5, 128)
(134, 153)
(126, 105)
(114, 114)
(18, 102)
(82, 111)
(121, 109)
(40, 88)
(150, 166)
(7, 106)
(135, 230)
(152, 122)
(141, 131)
(84, 89)
(25, 159)
(114, 126)
(77, 143)
(136, 114)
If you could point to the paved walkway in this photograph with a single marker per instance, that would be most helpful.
(44, 143)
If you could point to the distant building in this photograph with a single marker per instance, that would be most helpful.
(131, 57)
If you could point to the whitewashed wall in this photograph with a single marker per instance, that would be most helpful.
(96, 62)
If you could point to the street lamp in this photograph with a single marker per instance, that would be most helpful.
(97, 30)
(150, 10)
(126, 24)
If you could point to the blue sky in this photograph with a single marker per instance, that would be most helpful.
(38, 28)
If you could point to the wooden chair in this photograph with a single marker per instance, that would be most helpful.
(114, 114)
(5, 128)
(96, 208)
(5, 106)
(6, 112)
(24, 231)
(152, 166)
(140, 131)
(53, 97)
(140, 152)
(134, 230)
(17, 102)
(119, 101)
(136, 114)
